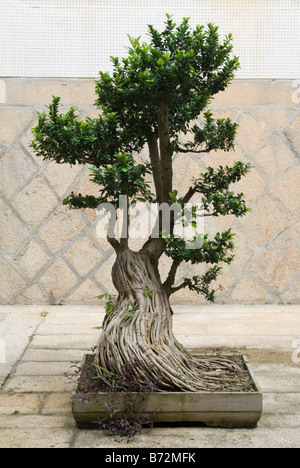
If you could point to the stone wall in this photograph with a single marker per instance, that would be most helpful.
(50, 255)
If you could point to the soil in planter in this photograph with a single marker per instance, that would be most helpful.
(89, 381)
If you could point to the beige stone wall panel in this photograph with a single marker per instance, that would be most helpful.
(49, 254)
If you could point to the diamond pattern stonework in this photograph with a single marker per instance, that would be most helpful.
(49, 254)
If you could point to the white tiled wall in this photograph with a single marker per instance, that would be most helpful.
(75, 38)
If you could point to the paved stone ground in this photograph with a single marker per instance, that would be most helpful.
(40, 342)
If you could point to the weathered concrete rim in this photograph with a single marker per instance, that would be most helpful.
(217, 409)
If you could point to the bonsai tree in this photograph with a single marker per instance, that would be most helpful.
(154, 97)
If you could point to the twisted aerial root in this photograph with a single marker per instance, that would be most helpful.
(139, 329)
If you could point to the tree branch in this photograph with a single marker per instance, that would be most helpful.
(126, 225)
(182, 150)
(114, 243)
(189, 195)
(171, 277)
(156, 163)
(178, 288)
(164, 172)
(165, 151)
(111, 236)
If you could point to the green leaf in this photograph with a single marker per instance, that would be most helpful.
(174, 195)
(134, 41)
(111, 374)
(148, 293)
(102, 296)
(110, 302)
(129, 314)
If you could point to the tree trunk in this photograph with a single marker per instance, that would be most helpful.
(139, 329)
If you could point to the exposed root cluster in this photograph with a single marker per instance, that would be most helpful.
(139, 329)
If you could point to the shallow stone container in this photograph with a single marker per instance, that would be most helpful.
(218, 409)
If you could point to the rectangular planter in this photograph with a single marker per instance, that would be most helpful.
(219, 409)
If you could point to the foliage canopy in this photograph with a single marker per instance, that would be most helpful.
(153, 97)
